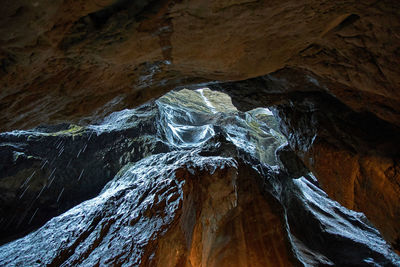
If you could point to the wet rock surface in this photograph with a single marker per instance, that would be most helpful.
(47, 170)
(330, 68)
(353, 153)
(290, 162)
(207, 191)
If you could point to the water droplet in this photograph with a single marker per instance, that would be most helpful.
(51, 181)
(69, 162)
(41, 191)
(23, 193)
(28, 179)
(33, 216)
(80, 175)
(61, 151)
(79, 153)
(58, 145)
(90, 136)
(51, 174)
(59, 196)
(46, 161)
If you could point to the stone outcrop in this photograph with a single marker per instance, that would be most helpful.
(353, 152)
(69, 60)
(48, 170)
(354, 155)
(329, 69)
(208, 199)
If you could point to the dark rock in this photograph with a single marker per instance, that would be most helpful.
(329, 67)
(181, 208)
(205, 198)
(290, 162)
(62, 61)
(351, 151)
(47, 170)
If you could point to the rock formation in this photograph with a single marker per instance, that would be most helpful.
(202, 194)
(66, 60)
(327, 69)
(353, 153)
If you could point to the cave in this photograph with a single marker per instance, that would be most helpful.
(199, 133)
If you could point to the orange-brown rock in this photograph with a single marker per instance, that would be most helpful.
(67, 60)
(225, 221)
(368, 183)
(187, 180)
(79, 60)
(183, 209)
(353, 153)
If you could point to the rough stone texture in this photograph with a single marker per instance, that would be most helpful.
(332, 65)
(290, 162)
(69, 60)
(208, 199)
(48, 170)
(353, 153)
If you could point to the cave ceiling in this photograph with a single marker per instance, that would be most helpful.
(329, 70)
(78, 60)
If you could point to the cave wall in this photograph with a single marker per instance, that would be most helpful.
(215, 201)
(77, 60)
(330, 68)
(354, 153)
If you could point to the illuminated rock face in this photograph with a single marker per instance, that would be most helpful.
(353, 153)
(206, 192)
(330, 69)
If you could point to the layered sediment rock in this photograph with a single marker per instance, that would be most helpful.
(210, 198)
